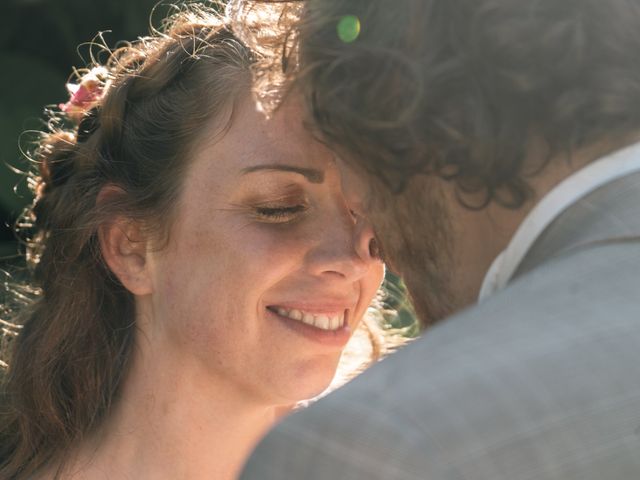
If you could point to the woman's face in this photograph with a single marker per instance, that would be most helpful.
(267, 271)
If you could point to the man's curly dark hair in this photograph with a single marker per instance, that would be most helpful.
(457, 88)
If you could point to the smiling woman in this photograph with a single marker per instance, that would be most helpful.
(198, 269)
(262, 219)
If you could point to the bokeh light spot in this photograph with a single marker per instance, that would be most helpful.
(348, 28)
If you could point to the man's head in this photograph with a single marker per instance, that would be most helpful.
(434, 104)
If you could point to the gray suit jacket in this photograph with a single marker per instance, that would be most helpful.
(541, 381)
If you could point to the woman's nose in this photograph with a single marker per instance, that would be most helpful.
(365, 241)
(349, 250)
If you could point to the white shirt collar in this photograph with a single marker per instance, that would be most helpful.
(567, 192)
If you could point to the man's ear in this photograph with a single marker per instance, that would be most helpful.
(124, 248)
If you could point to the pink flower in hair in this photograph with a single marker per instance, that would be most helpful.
(86, 94)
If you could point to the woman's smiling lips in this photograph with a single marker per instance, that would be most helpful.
(324, 321)
(327, 325)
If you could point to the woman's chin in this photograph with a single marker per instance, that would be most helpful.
(308, 385)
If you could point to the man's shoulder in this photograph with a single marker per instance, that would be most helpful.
(586, 297)
(541, 377)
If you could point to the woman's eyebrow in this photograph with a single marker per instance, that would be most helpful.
(311, 174)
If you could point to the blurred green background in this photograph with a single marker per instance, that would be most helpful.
(40, 42)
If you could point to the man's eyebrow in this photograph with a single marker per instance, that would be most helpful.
(311, 174)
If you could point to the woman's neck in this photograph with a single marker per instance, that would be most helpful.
(173, 421)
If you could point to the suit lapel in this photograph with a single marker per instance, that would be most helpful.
(609, 214)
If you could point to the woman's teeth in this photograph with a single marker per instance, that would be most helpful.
(324, 322)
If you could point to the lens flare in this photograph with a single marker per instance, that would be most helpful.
(348, 28)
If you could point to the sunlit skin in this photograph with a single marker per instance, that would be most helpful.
(261, 223)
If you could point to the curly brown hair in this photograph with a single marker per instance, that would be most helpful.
(457, 89)
(71, 354)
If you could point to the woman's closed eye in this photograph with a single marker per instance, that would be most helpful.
(280, 213)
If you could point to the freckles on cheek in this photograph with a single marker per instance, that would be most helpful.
(271, 246)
